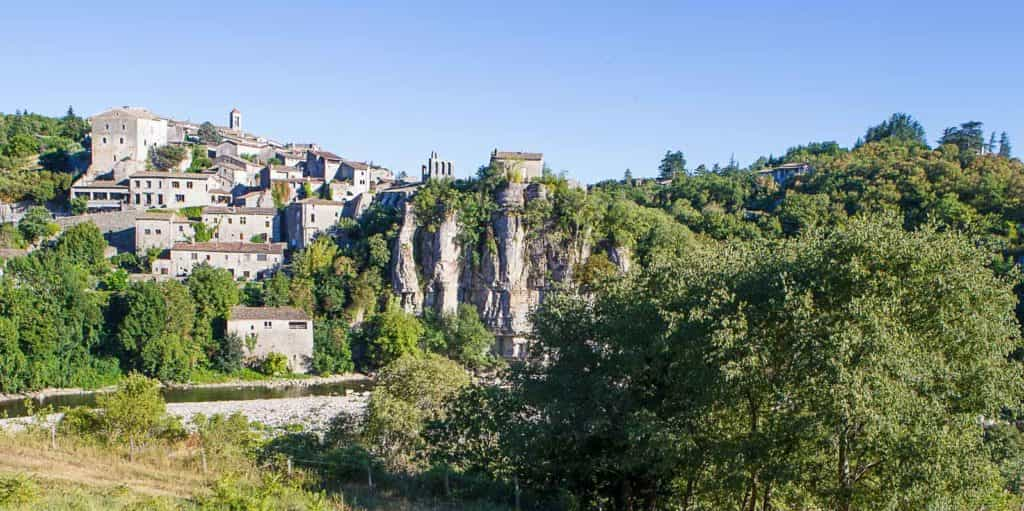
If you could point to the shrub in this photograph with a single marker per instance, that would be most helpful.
(274, 364)
(18, 490)
(79, 205)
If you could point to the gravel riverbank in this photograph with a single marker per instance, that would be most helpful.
(314, 413)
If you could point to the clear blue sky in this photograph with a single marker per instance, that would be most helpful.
(596, 87)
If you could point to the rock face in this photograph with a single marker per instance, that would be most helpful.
(430, 270)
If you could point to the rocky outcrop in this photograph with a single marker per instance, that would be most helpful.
(504, 280)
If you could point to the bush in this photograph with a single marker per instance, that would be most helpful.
(79, 205)
(35, 224)
(229, 354)
(17, 490)
(274, 364)
(331, 351)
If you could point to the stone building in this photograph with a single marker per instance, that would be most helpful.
(306, 218)
(246, 261)
(437, 168)
(161, 230)
(124, 133)
(265, 330)
(322, 164)
(243, 224)
(527, 166)
(235, 120)
(177, 189)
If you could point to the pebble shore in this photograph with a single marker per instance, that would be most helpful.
(314, 413)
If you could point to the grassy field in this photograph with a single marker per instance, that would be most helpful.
(82, 475)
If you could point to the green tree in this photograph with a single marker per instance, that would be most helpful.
(393, 333)
(79, 205)
(275, 290)
(208, 133)
(167, 157)
(35, 224)
(465, 338)
(410, 392)
(901, 127)
(331, 351)
(132, 411)
(672, 165)
(1005, 149)
(82, 244)
(280, 193)
(816, 371)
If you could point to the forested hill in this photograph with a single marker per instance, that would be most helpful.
(39, 154)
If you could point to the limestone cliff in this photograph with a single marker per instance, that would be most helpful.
(430, 270)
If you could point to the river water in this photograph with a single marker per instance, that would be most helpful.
(17, 407)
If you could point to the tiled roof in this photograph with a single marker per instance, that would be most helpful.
(516, 155)
(240, 210)
(128, 112)
(162, 215)
(358, 165)
(235, 247)
(171, 175)
(320, 202)
(327, 155)
(257, 313)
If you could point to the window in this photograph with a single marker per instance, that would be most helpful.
(104, 140)
(195, 256)
(179, 197)
(149, 184)
(229, 220)
(312, 218)
(261, 257)
(123, 127)
(267, 224)
(241, 220)
(268, 324)
(160, 198)
(188, 184)
(122, 140)
(297, 325)
(207, 257)
(148, 232)
(107, 126)
(175, 184)
(163, 271)
(245, 273)
(181, 228)
(138, 198)
(158, 231)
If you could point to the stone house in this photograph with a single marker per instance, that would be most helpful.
(124, 133)
(243, 224)
(265, 330)
(246, 261)
(176, 189)
(528, 166)
(255, 199)
(322, 164)
(306, 218)
(161, 230)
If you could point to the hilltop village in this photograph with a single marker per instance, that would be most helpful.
(231, 199)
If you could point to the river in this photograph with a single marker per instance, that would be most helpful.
(17, 408)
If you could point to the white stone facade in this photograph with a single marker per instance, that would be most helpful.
(161, 230)
(245, 261)
(265, 330)
(306, 218)
(124, 134)
(243, 224)
(174, 189)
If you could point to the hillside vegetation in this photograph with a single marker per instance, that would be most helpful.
(849, 339)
